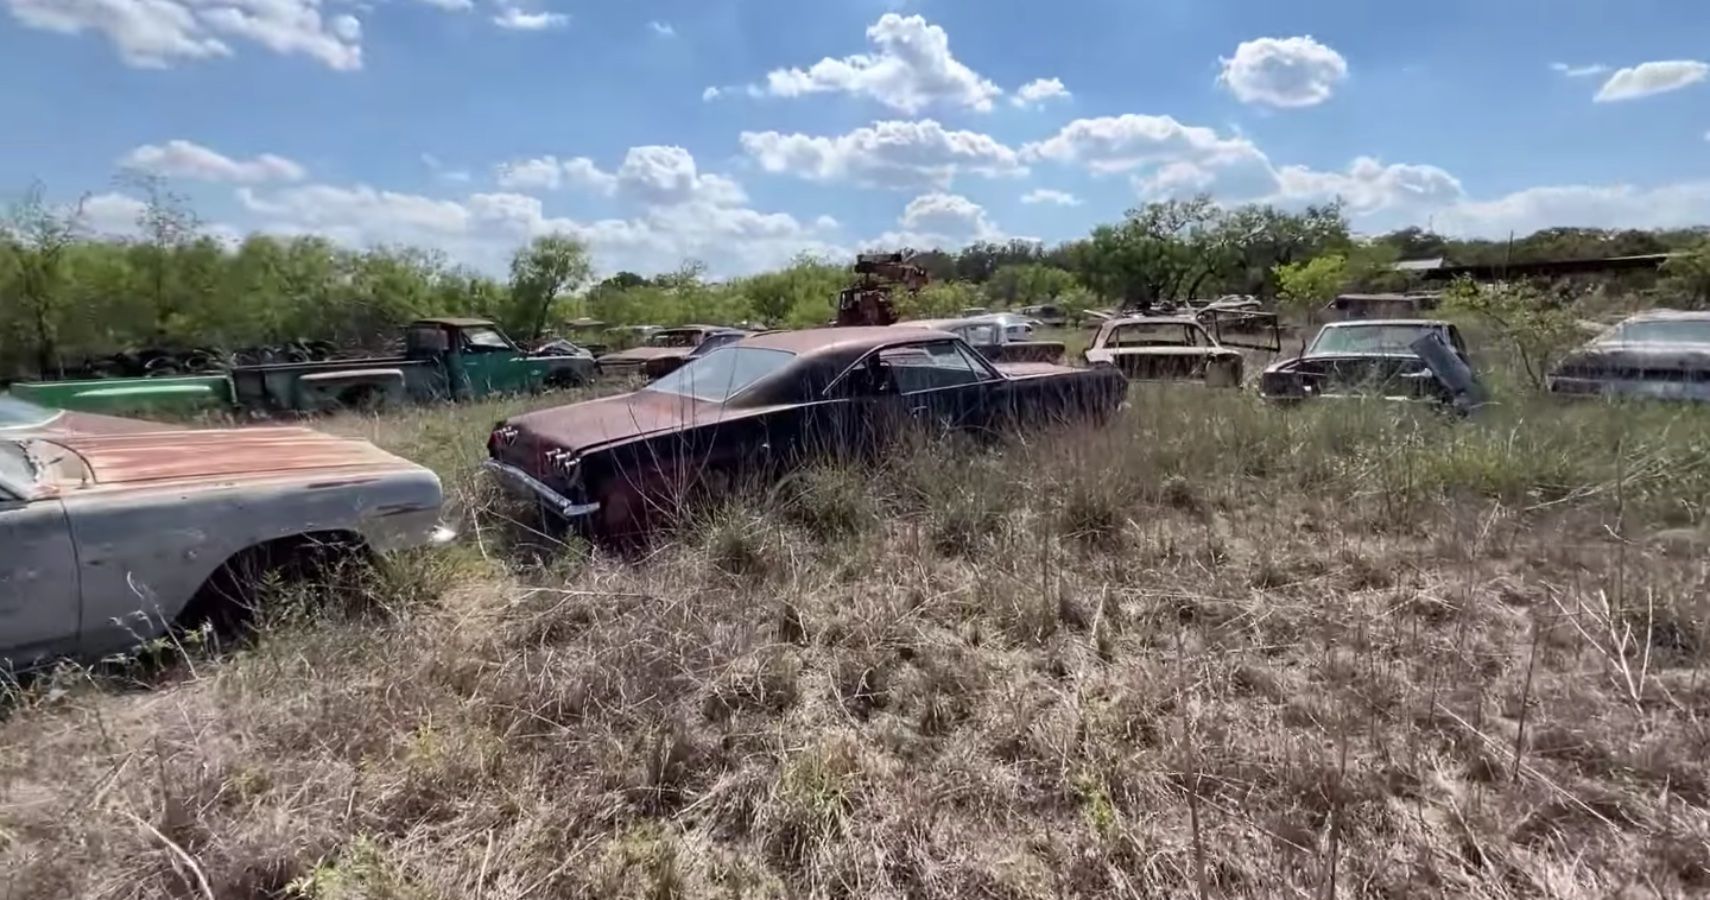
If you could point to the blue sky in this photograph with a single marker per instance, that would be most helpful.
(741, 132)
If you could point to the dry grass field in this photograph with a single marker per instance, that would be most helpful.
(1213, 650)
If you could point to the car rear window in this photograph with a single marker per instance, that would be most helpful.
(723, 373)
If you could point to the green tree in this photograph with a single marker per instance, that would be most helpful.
(1688, 276)
(1305, 287)
(1539, 328)
(551, 266)
(38, 238)
(936, 301)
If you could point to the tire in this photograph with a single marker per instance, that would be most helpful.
(365, 398)
(229, 600)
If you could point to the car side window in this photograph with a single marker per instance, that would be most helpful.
(930, 367)
(980, 335)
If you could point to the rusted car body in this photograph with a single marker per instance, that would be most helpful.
(113, 531)
(1658, 355)
(663, 344)
(1167, 348)
(992, 339)
(754, 409)
(1365, 358)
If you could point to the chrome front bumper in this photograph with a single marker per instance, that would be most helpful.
(518, 482)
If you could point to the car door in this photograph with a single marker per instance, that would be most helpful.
(40, 604)
(939, 385)
(491, 364)
(943, 385)
(1245, 329)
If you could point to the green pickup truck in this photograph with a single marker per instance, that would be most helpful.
(444, 359)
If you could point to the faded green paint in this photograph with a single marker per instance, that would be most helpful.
(444, 359)
(131, 395)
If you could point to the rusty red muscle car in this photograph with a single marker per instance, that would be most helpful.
(756, 407)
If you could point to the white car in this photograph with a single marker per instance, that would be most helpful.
(112, 530)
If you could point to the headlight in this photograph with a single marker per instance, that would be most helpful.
(505, 435)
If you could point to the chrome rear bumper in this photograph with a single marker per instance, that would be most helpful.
(519, 482)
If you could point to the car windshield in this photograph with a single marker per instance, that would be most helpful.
(1661, 332)
(675, 339)
(485, 339)
(723, 373)
(15, 413)
(1354, 339)
(1151, 334)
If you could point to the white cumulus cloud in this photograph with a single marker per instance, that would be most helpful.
(112, 213)
(1038, 91)
(483, 229)
(663, 29)
(183, 159)
(1283, 72)
(910, 68)
(898, 154)
(657, 176)
(160, 33)
(1048, 196)
(1370, 186)
(1573, 71)
(939, 219)
(1646, 79)
(1680, 205)
(1121, 143)
(512, 18)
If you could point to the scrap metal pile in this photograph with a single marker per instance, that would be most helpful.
(868, 300)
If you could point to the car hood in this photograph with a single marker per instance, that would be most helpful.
(1283, 365)
(1619, 355)
(580, 426)
(217, 456)
(643, 354)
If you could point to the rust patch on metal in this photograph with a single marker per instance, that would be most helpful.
(213, 455)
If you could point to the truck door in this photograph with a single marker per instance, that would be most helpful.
(40, 604)
(491, 363)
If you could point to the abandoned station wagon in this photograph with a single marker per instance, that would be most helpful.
(113, 530)
(754, 408)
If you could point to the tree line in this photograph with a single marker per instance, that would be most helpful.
(68, 295)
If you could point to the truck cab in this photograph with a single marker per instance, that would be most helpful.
(478, 359)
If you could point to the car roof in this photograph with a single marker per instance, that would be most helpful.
(1669, 315)
(455, 322)
(1358, 323)
(814, 341)
(944, 324)
(1153, 320)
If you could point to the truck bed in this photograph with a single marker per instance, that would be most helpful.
(274, 387)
